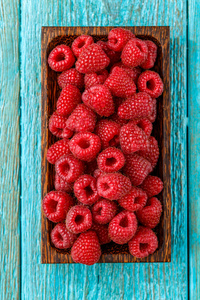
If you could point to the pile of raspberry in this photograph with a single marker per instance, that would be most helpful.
(105, 153)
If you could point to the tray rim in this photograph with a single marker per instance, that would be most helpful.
(162, 34)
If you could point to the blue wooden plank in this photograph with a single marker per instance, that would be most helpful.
(106, 281)
(194, 146)
(9, 151)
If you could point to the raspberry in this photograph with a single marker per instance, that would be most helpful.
(61, 237)
(152, 185)
(69, 168)
(81, 43)
(79, 219)
(69, 98)
(122, 227)
(104, 211)
(132, 72)
(113, 55)
(144, 124)
(120, 83)
(153, 116)
(118, 37)
(57, 150)
(97, 173)
(71, 76)
(151, 57)
(134, 53)
(137, 168)
(139, 105)
(143, 243)
(150, 215)
(134, 200)
(108, 131)
(102, 233)
(55, 205)
(99, 98)
(86, 249)
(85, 189)
(111, 160)
(57, 126)
(133, 138)
(81, 119)
(61, 58)
(95, 78)
(85, 145)
(92, 59)
(61, 185)
(152, 153)
(151, 83)
(113, 186)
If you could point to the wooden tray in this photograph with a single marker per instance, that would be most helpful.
(111, 253)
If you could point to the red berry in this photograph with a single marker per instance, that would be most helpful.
(152, 153)
(113, 55)
(61, 185)
(143, 243)
(81, 119)
(120, 83)
(85, 189)
(69, 168)
(92, 59)
(99, 98)
(79, 219)
(61, 237)
(71, 76)
(61, 58)
(57, 150)
(134, 200)
(134, 53)
(69, 98)
(95, 78)
(97, 173)
(150, 215)
(139, 105)
(108, 131)
(132, 72)
(102, 233)
(85, 145)
(153, 116)
(133, 138)
(118, 37)
(151, 57)
(86, 249)
(113, 186)
(122, 227)
(57, 126)
(152, 185)
(144, 124)
(137, 168)
(151, 83)
(111, 160)
(81, 43)
(104, 211)
(55, 205)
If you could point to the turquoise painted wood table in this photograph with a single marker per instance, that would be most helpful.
(21, 274)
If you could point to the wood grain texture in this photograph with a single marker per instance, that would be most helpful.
(102, 281)
(53, 36)
(194, 147)
(9, 151)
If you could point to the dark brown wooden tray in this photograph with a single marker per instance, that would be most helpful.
(111, 253)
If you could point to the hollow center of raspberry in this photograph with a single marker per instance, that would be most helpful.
(139, 47)
(79, 219)
(59, 236)
(65, 168)
(114, 141)
(143, 246)
(113, 41)
(138, 200)
(151, 84)
(53, 206)
(111, 161)
(105, 186)
(81, 44)
(141, 125)
(83, 143)
(89, 191)
(124, 222)
(60, 56)
(99, 210)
